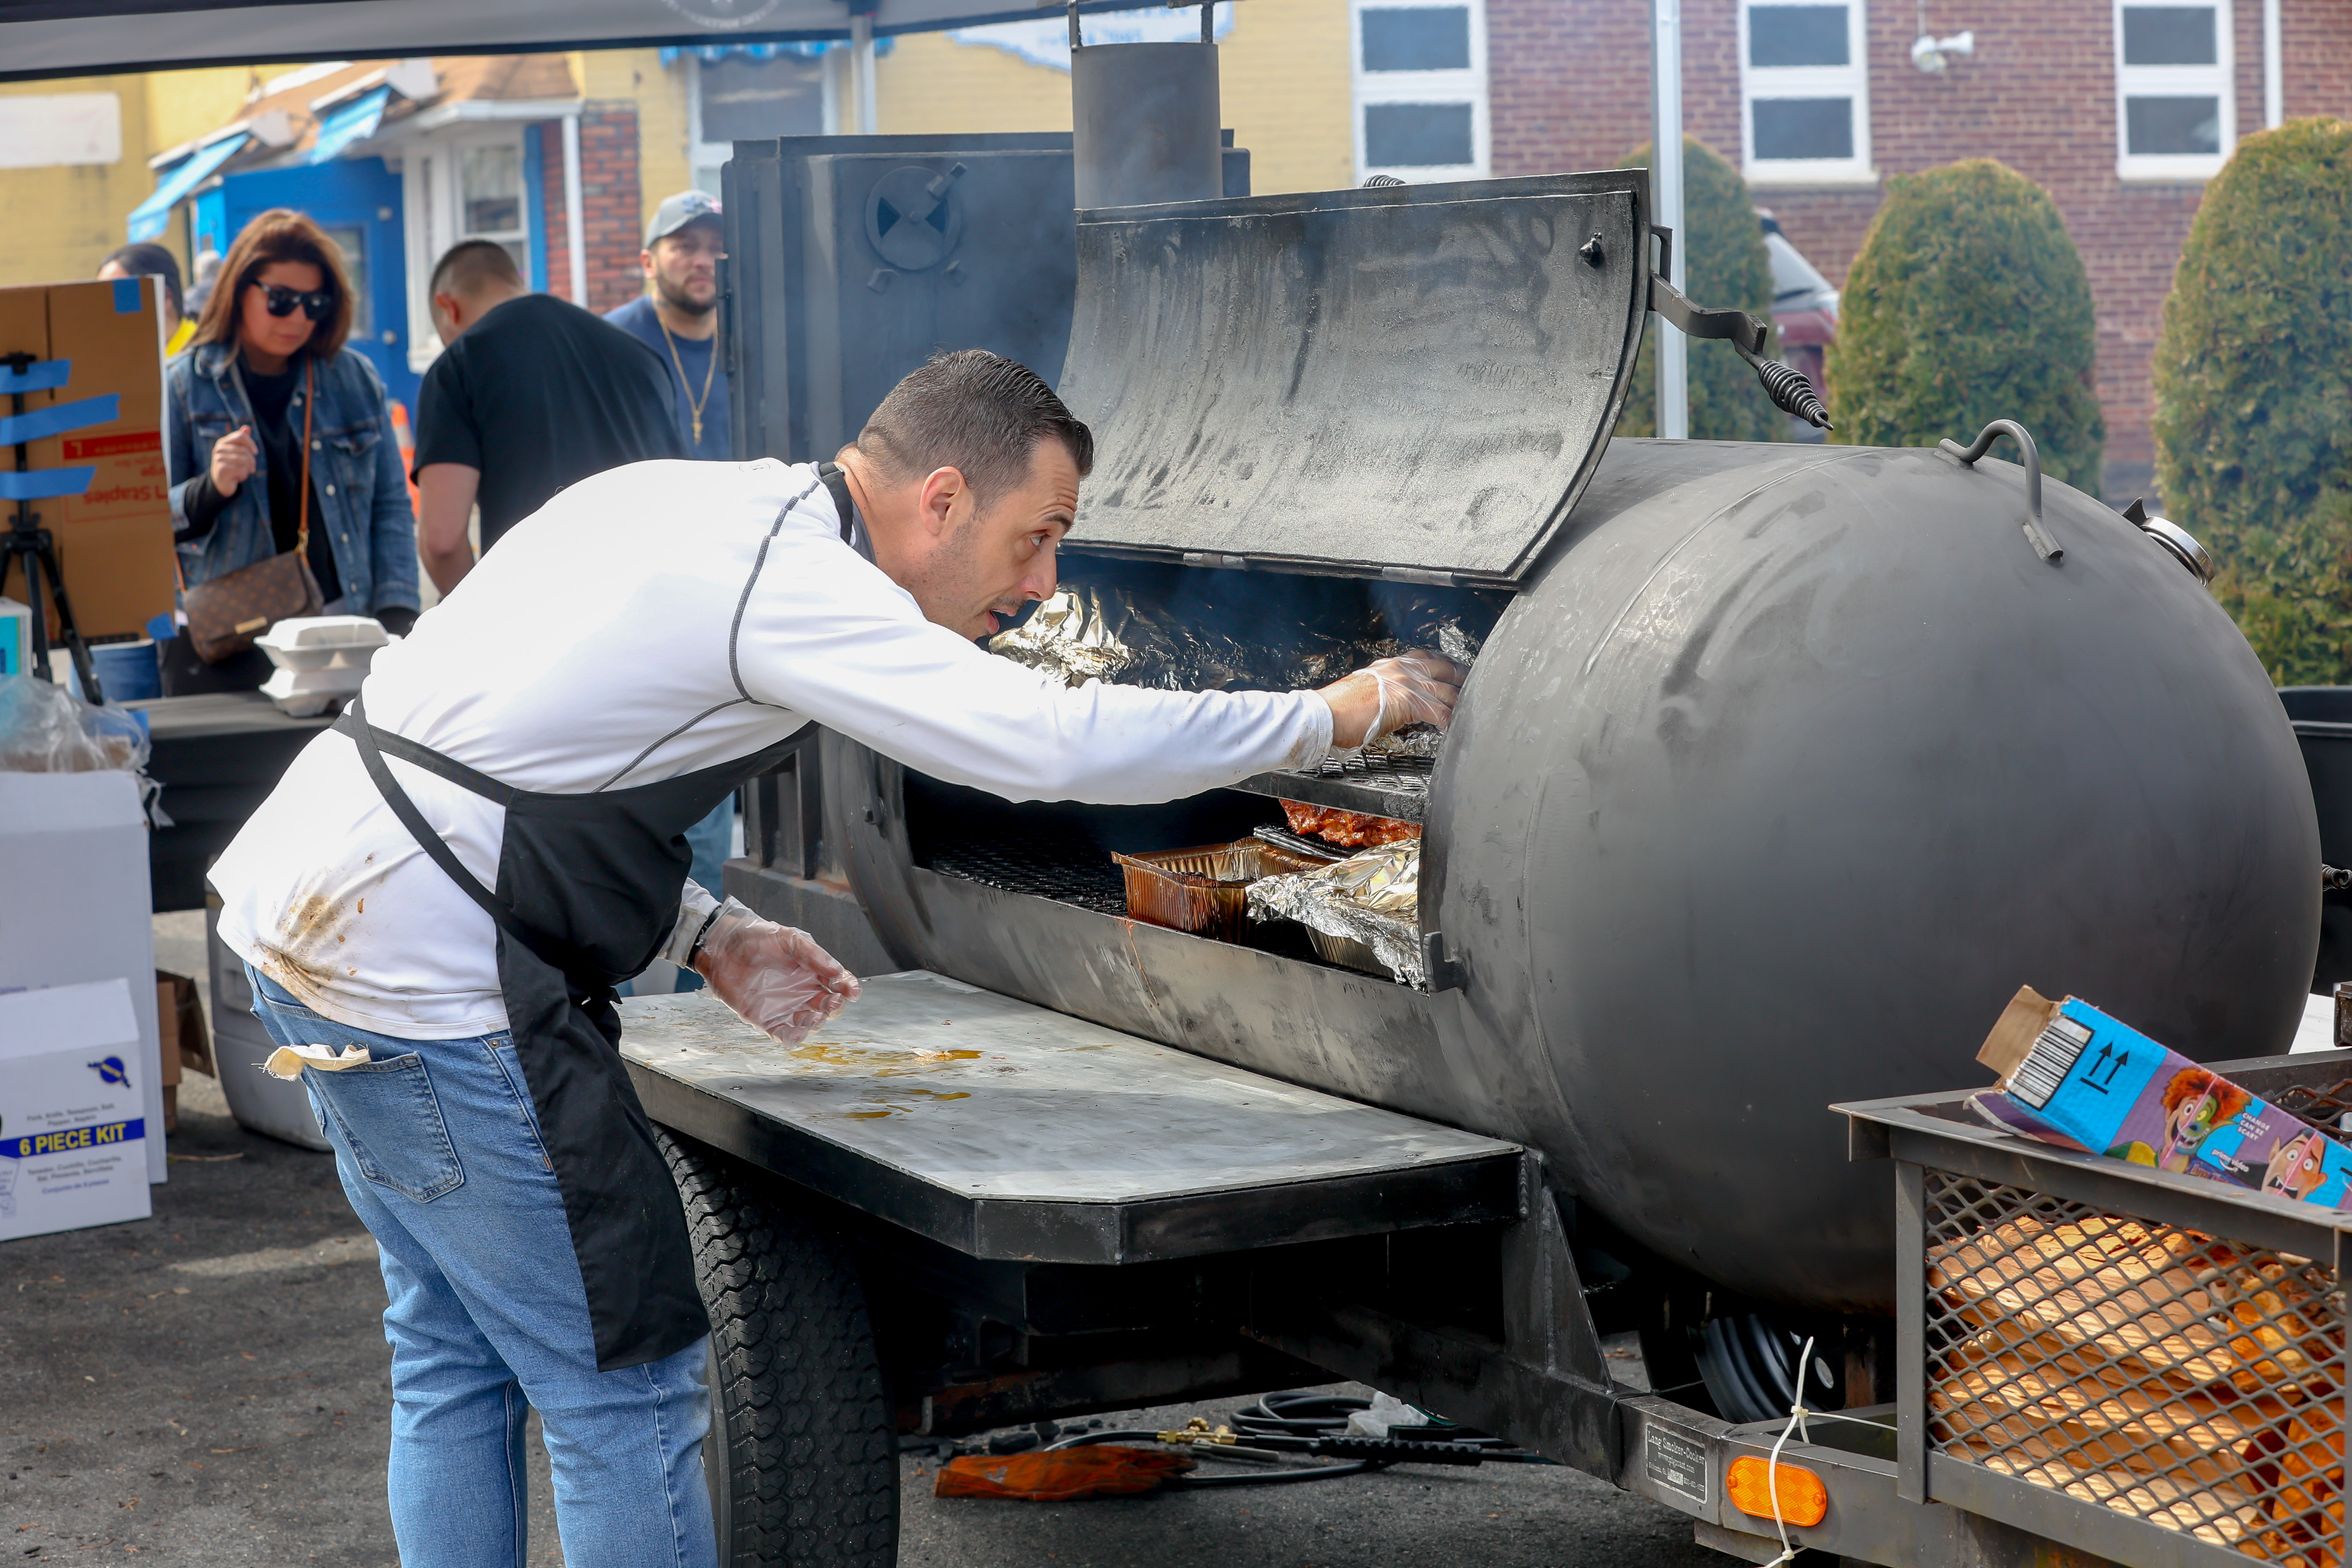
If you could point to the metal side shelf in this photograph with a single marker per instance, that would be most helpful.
(1009, 1132)
(1377, 785)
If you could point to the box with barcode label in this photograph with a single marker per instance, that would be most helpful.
(2072, 1075)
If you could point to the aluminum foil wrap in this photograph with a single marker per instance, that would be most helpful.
(1373, 898)
(1257, 632)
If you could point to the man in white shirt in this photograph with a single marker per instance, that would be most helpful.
(455, 877)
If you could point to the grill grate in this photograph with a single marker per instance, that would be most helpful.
(2183, 1380)
(1398, 774)
(1047, 868)
(1378, 785)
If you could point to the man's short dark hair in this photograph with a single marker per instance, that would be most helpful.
(465, 266)
(976, 411)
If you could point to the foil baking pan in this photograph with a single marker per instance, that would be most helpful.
(1204, 889)
(1348, 952)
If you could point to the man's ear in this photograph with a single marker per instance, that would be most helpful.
(646, 262)
(944, 492)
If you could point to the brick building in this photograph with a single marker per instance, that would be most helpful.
(610, 199)
(2120, 110)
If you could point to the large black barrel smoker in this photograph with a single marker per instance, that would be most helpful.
(1780, 769)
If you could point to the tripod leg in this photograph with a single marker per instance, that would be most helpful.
(38, 620)
(83, 664)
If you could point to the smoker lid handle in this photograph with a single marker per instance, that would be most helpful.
(2039, 536)
(1788, 388)
(1742, 330)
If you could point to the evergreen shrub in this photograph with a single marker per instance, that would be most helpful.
(2253, 395)
(1968, 303)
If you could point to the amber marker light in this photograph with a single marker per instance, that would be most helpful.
(1804, 1500)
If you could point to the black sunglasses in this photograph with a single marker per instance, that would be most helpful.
(281, 301)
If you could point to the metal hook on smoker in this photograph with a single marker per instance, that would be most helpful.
(2039, 536)
(1789, 390)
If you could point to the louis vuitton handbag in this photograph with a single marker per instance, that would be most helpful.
(227, 614)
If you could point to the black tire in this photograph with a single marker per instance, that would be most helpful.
(803, 1454)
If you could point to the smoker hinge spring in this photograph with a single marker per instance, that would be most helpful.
(1210, 558)
(1417, 575)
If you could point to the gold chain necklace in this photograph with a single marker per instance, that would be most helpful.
(708, 371)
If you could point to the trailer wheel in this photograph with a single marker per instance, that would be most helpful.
(803, 1456)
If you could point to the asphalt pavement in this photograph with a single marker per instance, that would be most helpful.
(210, 1386)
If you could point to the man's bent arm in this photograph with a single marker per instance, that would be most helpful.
(448, 491)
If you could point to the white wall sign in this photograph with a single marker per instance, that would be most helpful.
(44, 131)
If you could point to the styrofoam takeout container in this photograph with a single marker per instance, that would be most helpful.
(303, 692)
(320, 642)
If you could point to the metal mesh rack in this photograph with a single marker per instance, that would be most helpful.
(2138, 1363)
(1378, 785)
(2179, 1379)
(1073, 873)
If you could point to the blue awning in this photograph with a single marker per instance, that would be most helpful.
(148, 217)
(349, 122)
(713, 53)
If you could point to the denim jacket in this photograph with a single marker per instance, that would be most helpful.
(359, 488)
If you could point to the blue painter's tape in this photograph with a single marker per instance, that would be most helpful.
(126, 295)
(45, 484)
(42, 375)
(58, 418)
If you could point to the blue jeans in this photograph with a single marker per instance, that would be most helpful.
(438, 1147)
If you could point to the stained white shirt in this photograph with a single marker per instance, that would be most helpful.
(646, 623)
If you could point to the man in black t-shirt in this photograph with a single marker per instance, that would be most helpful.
(530, 396)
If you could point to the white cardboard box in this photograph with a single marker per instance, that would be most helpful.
(73, 1122)
(76, 904)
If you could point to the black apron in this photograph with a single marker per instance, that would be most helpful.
(587, 894)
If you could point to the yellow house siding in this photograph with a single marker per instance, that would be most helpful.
(184, 105)
(81, 208)
(69, 217)
(1286, 89)
(931, 85)
(1283, 81)
(658, 92)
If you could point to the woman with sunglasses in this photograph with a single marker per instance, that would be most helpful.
(268, 363)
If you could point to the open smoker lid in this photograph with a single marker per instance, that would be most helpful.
(1412, 382)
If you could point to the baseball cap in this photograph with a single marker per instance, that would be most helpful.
(679, 211)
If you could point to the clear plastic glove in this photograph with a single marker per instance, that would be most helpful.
(775, 978)
(1417, 686)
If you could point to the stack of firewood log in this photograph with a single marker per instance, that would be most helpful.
(2155, 1371)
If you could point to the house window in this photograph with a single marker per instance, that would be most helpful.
(1421, 90)
(1804, 93)
(351, 238)
(742, 97)
(465, 185)
(2175, 113)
